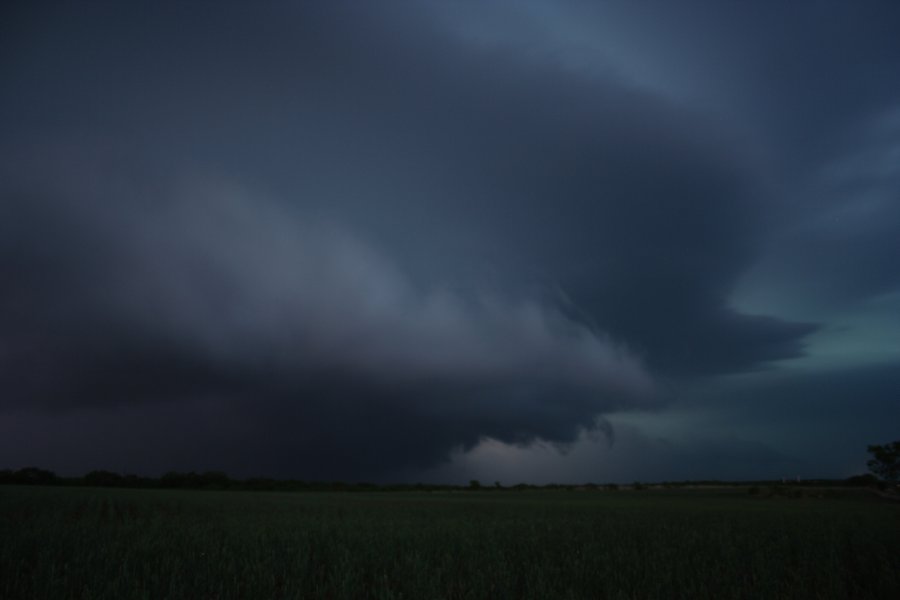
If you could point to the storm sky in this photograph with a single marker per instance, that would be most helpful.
(435, 241)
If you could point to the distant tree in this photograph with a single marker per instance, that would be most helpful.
(214, 479)
(103, 479)
(132, 481)
(259, 483)
(193, 480)
(885, 461)
(35, 476)
(474, 484)
(174, 479)
(867, 479)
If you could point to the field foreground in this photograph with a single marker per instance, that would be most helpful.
(117, 543)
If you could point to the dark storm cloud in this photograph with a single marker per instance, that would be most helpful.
(800, 77)
(826, 417)
(322, 345)
(356, 229)
(635, 456)
(847, 243)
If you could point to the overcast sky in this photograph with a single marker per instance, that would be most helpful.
(398, 241)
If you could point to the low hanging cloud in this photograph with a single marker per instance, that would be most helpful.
(243, 277)
(213, 292)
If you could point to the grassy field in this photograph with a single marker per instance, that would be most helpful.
(114, 543)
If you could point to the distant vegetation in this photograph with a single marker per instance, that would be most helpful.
(885, 461)
(217, 480)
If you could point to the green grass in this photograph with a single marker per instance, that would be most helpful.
(112, 543)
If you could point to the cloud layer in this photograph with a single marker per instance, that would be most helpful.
(359, 239)
(214, 294)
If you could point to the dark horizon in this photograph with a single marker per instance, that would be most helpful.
(449, 241)
(218, 480)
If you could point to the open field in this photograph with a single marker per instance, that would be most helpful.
(117, 543)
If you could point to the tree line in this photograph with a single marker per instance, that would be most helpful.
(217, 480)
(884, 466)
